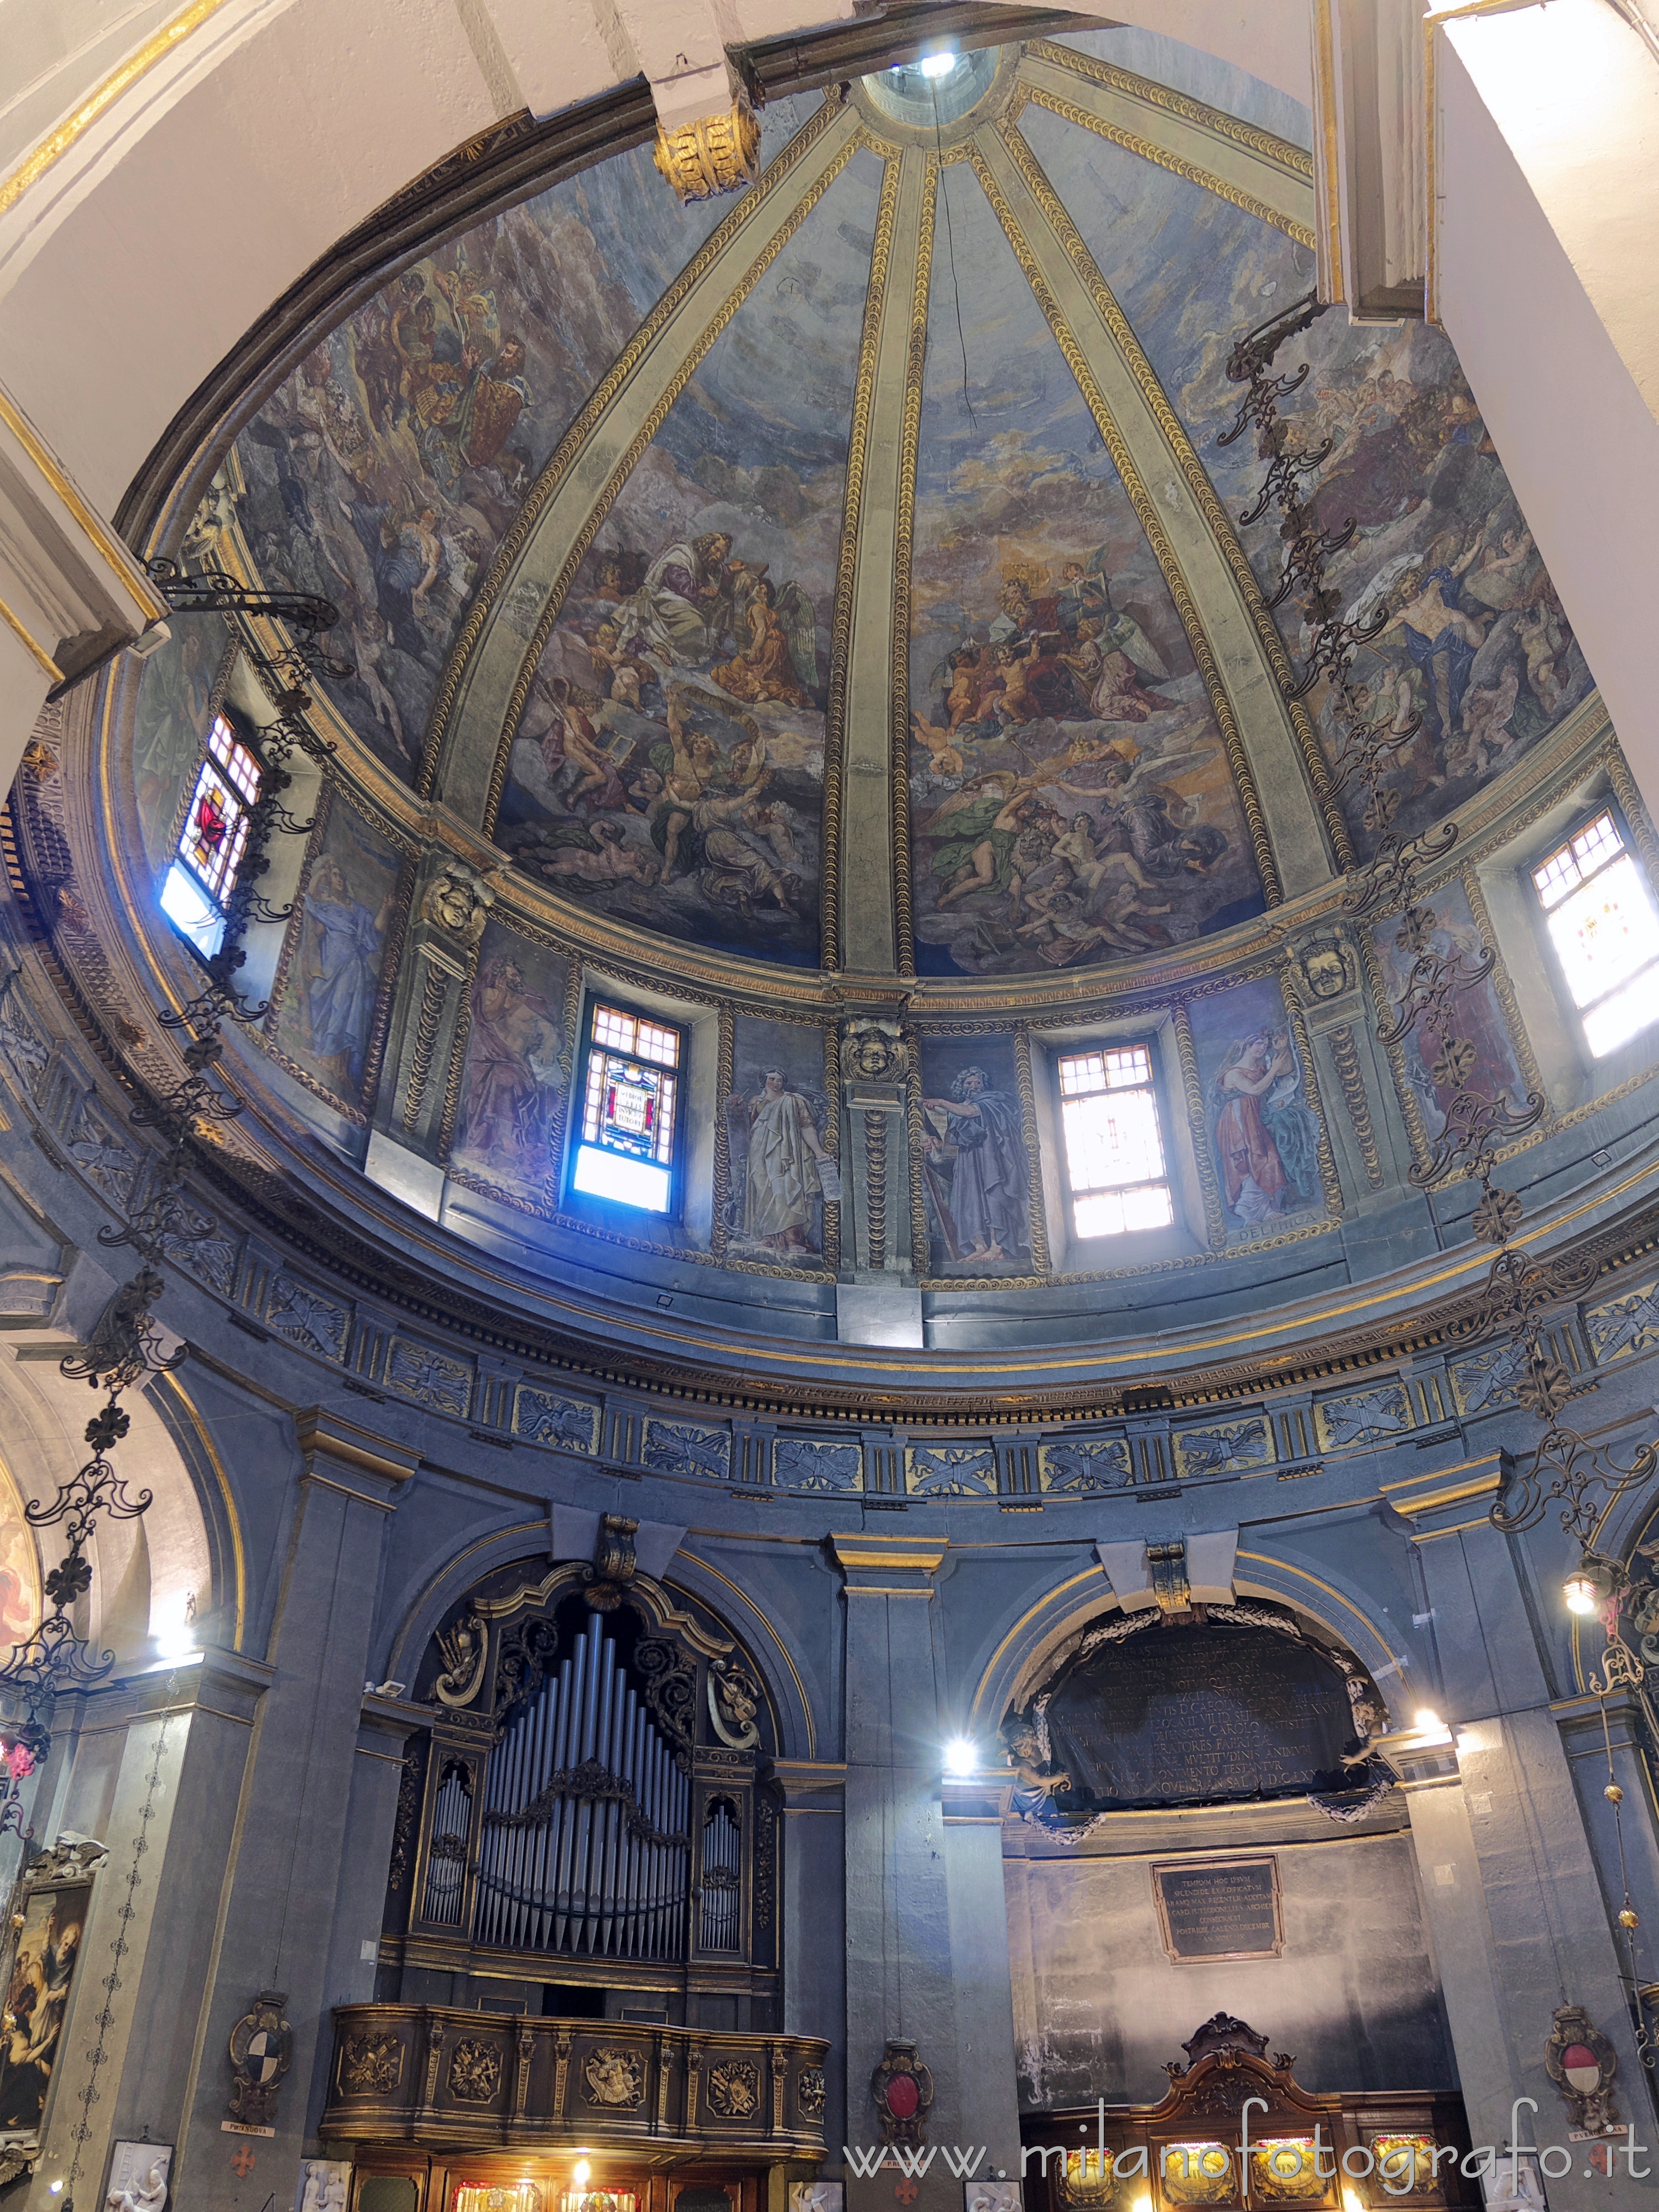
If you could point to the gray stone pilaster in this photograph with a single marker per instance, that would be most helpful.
(276, 1913)
(927, 1928)
(159, 1765)
(384, 1729)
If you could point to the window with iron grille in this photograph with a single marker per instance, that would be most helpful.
(1602, 922)
(1114, 1164)
(212, 837)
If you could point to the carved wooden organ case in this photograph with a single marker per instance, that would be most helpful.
(591, 1805)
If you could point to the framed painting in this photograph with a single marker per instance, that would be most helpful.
(52, 1906)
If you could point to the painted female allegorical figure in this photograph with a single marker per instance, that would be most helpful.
(1253, 1175)
(340, 961)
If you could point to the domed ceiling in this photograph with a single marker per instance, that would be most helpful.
(850, 575)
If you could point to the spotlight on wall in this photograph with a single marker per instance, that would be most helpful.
(961, 1756)
(1426, 1719)
(939, 64)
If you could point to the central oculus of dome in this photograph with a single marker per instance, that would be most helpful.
(935, 90)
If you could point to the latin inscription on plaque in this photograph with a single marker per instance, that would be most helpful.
(1223, 1909)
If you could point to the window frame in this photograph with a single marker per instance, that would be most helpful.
(217, 897)
(1148, 1043)
(595, 1003)
(1576, 823)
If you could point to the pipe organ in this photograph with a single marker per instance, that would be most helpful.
(590, 1807)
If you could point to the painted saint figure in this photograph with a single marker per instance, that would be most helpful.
(987, 1215)
(782, 1177)
(339, 970)
(512, 1070)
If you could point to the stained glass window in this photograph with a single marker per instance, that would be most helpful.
(212, 837)
(629, 1102)
(1605, 929)
(1113, 1149)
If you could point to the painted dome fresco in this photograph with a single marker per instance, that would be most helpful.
(851, 576)
(815, 727)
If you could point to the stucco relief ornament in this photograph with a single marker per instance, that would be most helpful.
(873, 1052)
(733, 1702)
(1581, 2062)
(261, 2046)
(463, 1648)
(458, 902)
(903, 2089)
(1323, 962)
(615, 2078)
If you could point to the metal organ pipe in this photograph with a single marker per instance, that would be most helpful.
(581, 1877)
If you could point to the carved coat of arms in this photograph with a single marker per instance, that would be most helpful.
(615, 2078)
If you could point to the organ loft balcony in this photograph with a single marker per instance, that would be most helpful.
(453, 2086)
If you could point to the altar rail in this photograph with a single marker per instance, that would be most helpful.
(437, 2076)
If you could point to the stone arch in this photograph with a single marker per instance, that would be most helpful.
(762, 1642)
(154, 1575)
(1032, 1644)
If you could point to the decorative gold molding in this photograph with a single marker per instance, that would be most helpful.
(715, 154)
(841, 630)
(921, 1249)
(1151, 522)
(832, 1211)
(31, 644)
(1345, 1057)
(118, 556)
(1293, 159)
(1040, 96)
(1038, 1223)
(1215, 1219)
(1334, 287)
(56, 143)
(904, 919)
(724, 1082)
(541, 494)
(696, 353)
(1035, 178)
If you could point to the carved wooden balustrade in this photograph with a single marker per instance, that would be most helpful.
(653, 2096)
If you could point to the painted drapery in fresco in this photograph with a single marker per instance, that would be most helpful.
(1071, 801)
(324, 1012)
(516, 1078)
(976, 1165)
(669, 766)
(1479, 648)
(780, 1145)
(1263, 1133)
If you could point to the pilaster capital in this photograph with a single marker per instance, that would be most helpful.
(896, 1565)
(352, 1458)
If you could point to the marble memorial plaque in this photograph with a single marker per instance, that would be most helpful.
(1219, 1909)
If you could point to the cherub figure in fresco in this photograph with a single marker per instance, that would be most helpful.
(1544, 639)
(573, 853)
(947, 759)
(962, 700)
(577, 766)
(1486, 712)
(764, 668)
(615, 670)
